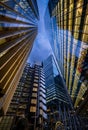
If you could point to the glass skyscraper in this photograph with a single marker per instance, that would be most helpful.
(18, 29)
(66, 71)
(29, 100)
(69, 21)
(60, 110)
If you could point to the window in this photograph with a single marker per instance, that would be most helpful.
(23, 106)
(35, 80)
(33, 109)
(36, 77)
(85, 30)
(35, 89)
(41, 112)
(33, 101)
(34, 94)
(35, 84)
(85, 38)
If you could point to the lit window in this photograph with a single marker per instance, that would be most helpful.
(33, 101)
(41, 111)
(34, 94)
(35, 89)
(35, 80)
(36, 77)
(33, 109)
(35, 84)
(79, 12)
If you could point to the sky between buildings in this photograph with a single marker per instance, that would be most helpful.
(41, 46)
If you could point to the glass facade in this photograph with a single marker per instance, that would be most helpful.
(18, 29)
(69, 20)
(54, 84)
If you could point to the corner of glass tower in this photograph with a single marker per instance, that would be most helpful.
(18, 29)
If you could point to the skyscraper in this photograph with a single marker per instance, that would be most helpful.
(61, 112)
(18, 29)
(29, 99)
(69, 20)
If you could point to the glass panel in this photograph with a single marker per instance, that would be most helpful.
(35, 89)
(33, 101)
(33, 109)
(35, 84)
(34, 94)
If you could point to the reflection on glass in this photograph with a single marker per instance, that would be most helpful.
(72, 38)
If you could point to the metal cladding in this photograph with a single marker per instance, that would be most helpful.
(18, 29)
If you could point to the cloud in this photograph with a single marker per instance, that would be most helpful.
(41, 47)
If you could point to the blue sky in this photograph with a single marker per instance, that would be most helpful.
(41, 47)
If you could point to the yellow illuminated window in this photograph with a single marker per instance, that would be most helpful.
(71, 7)
(36, 77)
(65, 12)
(33, 101)
(70, 28)
(70, 15)
(76, 35)
(85, 38)
(79, 11)
(85, 29)
(65, 17)
(35, 89)
(35, 84)
(33, 109)
(70, 22)
(71, 1)
(86, 19)
(76, 28)
(79, 3)
(65, 5)
(77, 20)
(34, 94)
(41, 111)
